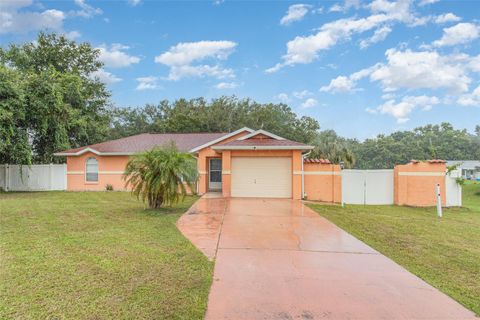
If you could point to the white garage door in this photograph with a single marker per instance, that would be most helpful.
(265, 177)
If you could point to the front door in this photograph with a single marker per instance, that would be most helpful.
(215, 174)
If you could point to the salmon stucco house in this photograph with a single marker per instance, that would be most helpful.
(243, 163)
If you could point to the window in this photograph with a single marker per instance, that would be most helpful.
(91, 172)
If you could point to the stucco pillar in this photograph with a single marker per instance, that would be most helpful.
(202, 173)
(297, 174)
(226, 173)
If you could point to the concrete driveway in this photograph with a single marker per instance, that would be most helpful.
(277, 259)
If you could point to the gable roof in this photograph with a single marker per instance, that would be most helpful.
(189, 142)
(261, 132)
(262, 144)
(146, 141)
(226, 136)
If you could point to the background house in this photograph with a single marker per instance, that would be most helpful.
(470, 168)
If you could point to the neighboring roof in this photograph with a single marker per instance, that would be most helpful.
(146, 141)
(321, 161)
(265, 144)
(465, 164)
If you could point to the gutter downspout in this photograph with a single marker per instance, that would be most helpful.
(303, 173)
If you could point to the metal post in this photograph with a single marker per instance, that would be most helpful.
(439, 201)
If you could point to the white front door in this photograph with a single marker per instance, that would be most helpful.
(215, 174)
(262, 177)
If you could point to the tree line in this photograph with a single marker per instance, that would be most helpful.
(50, 100)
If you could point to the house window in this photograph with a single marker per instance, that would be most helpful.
(91, 172)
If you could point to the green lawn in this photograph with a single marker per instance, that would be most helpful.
(444, 252)
(97, 256)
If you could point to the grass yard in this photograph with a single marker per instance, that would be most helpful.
(444, 252)
(97, 256)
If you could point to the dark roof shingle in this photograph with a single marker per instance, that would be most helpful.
(146, 141)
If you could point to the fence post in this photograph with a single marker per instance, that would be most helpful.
(439, 201)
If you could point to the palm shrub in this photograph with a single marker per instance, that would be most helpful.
(161, 175)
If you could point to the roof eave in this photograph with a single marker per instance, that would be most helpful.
(229, 135)
(79, 153)
(262, 147)
(261, 131)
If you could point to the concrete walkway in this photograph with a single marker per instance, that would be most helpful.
(277, 259)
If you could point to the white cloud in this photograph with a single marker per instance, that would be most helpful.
(22, 16)
(283, 97)
(296, 12)
(309, 103)
(346, 6)
(447, 17)
(14, 21)
(421, 70)
(105, 77)
(339, 84)
(400, 110)
(181, 57)
(379, 35)
(345, 84)
(471, 99)
(474, 63)
(302, 94)
(458, 34)
(305, 49)
(427, 2)
(115, 57)
(188, 52)
(72, 35)
(147, 83)
(200, 71)
(226, 85)
(86, 10)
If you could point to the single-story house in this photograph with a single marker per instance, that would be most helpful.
(470, 168)
(243, 163)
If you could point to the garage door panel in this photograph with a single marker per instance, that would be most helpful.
(262, 177)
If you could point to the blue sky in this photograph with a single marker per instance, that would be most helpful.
(361, 68)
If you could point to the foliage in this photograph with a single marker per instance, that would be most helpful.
(328, 145)
(161, 175)
(460, 181)
(14, 145)
(224, 114)
(422, 143)
(109, 187)
(57, 103)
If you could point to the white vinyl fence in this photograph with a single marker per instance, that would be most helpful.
(367, 186)
(453, 189)
(39, 177)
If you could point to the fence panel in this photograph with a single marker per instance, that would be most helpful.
(379, 187)
(453, 189)
(33, 178)
(353, 186)
(367, 186)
